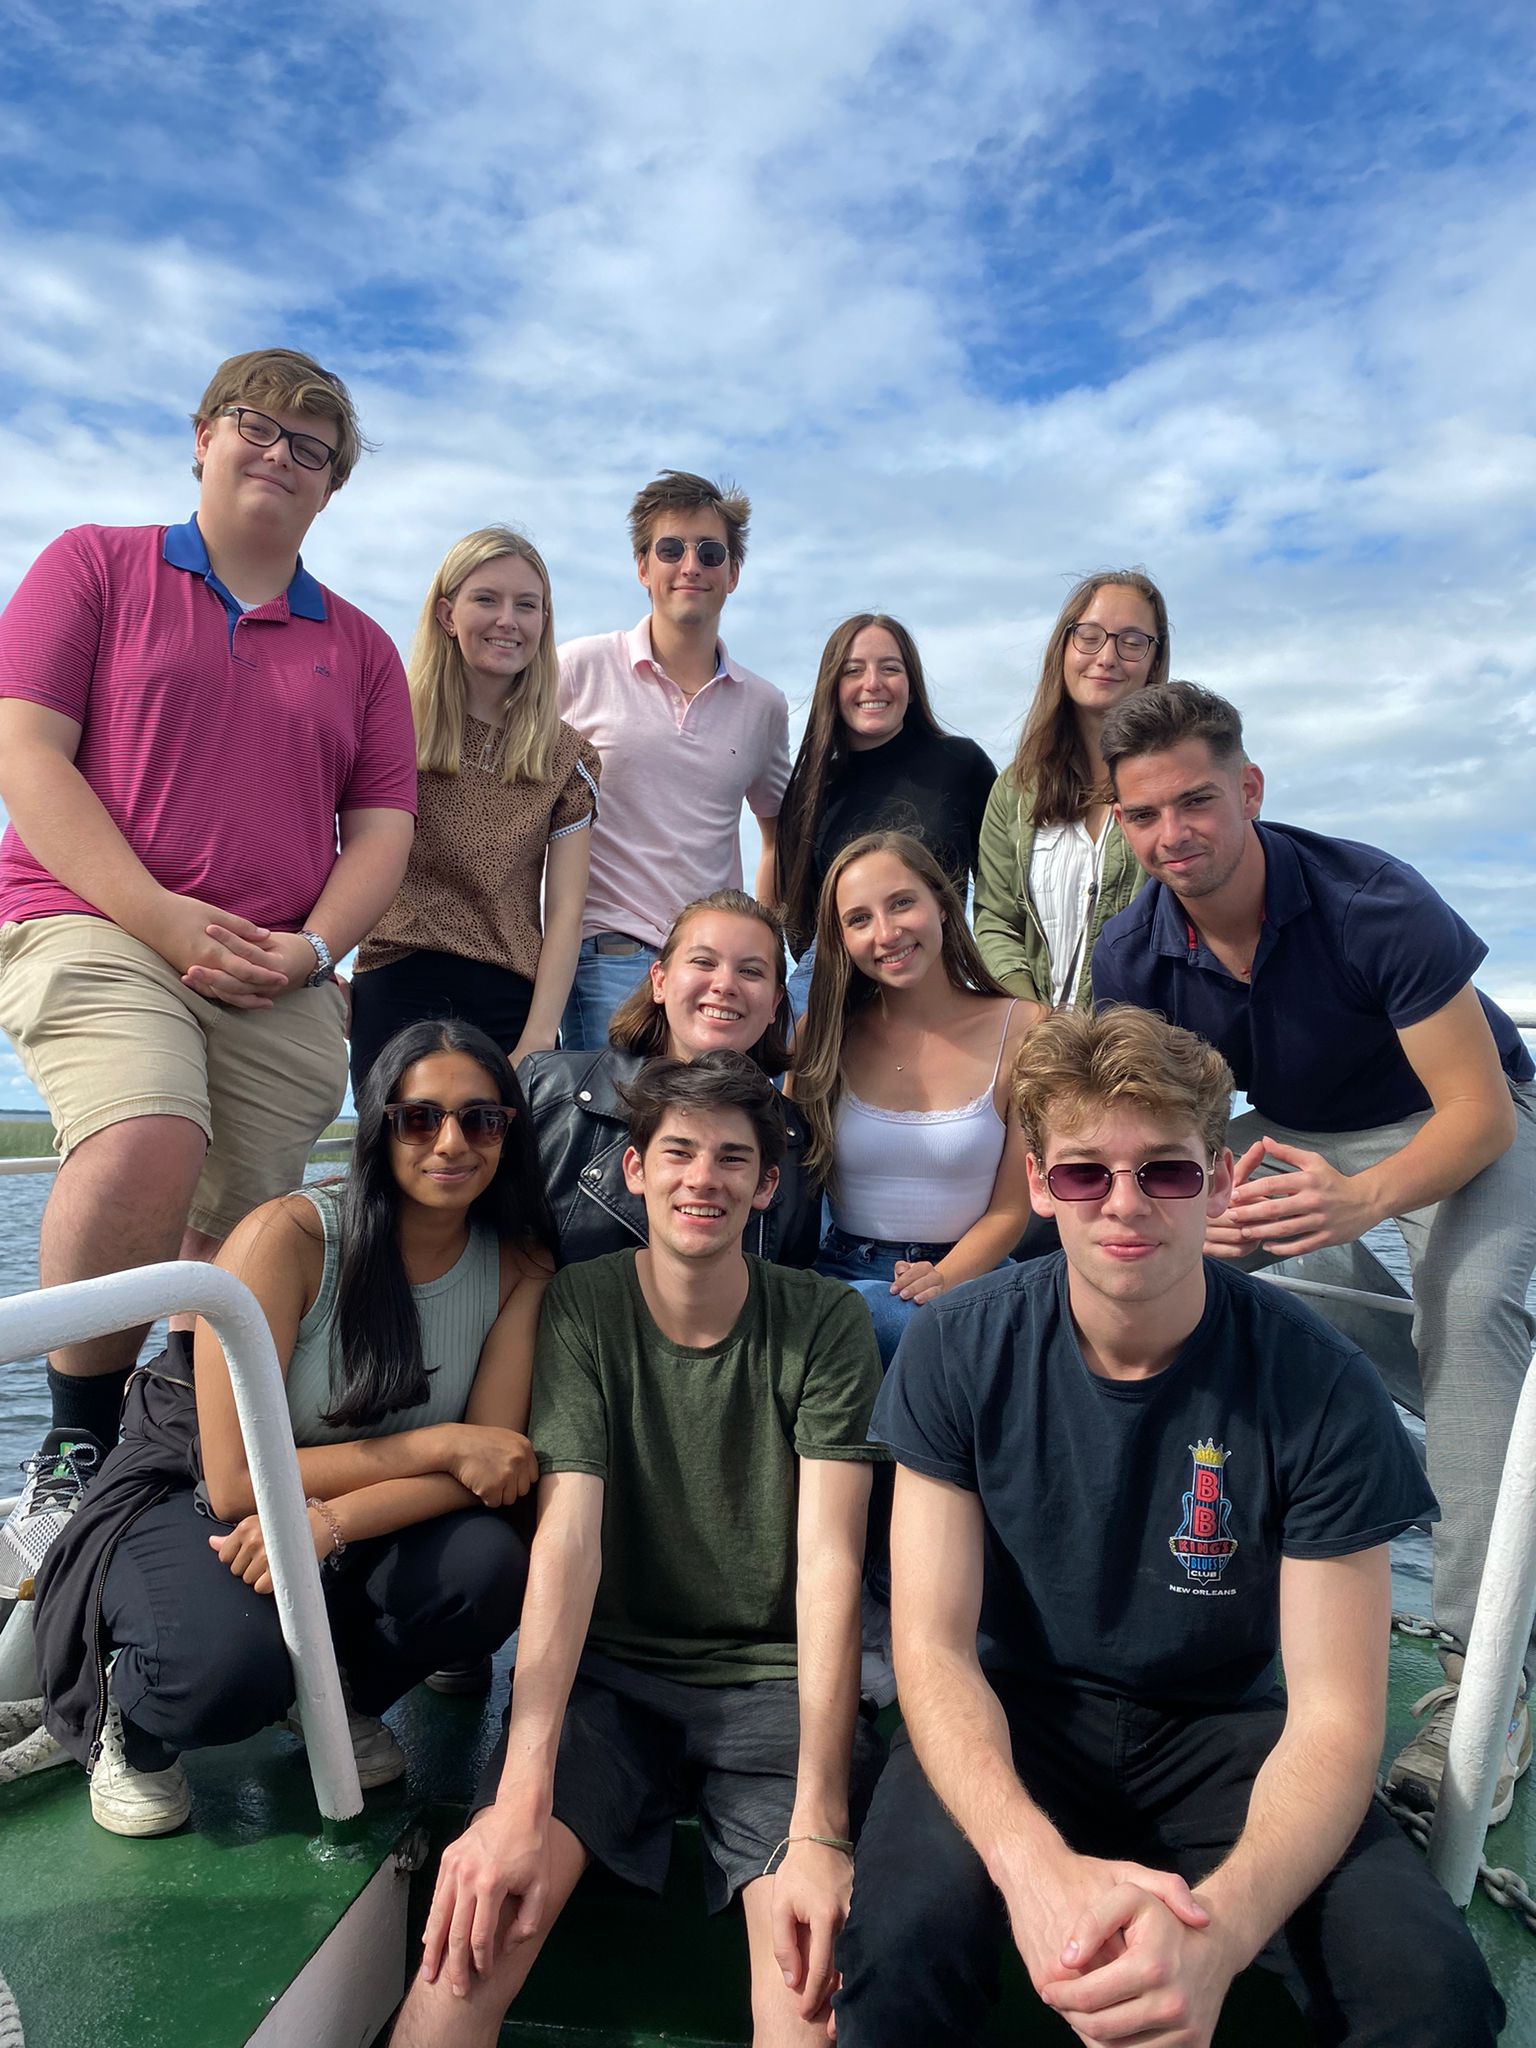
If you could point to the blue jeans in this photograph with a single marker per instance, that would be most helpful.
(869, 1266)
(800, 980)
(602, 982)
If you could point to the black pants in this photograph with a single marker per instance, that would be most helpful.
(386, 999)
(202, 1659)
(1378, 1955)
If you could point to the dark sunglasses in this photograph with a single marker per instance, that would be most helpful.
(712, 554)
(418, 1123)
(1163, 1180)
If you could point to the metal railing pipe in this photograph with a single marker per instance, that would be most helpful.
(1393, 1304)
(53, 1316)
(49, 1162)
(1501, 1628)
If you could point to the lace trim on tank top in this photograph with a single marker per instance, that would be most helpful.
(934, 1116)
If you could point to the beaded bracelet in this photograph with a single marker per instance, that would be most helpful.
(826, 1841)
(338, 1541)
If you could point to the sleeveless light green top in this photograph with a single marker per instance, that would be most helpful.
(456, 1311)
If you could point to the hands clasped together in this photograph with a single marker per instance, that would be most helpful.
(1121, 1951)
(1305, 1208)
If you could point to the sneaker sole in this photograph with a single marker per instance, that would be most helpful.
(136, 1826)
(455, 1684)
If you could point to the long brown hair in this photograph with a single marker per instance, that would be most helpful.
(1050, 763)
(839, 990)
(823, 751)
(639, 1024)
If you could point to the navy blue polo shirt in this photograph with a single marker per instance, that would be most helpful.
(1355, 947)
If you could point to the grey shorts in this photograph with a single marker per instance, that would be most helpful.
(638, 1752)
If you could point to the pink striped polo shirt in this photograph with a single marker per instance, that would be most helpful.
(221, 744)
(675, 772)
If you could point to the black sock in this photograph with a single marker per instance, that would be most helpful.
(87, 1407)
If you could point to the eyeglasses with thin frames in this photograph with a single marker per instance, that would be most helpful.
(262, 431)
(1130, 645)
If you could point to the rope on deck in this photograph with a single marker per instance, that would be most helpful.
(1506, 1887)
(25, 1746)
(10, 2019)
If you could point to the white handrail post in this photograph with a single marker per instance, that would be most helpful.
(54, 1316)
(1501, 1628)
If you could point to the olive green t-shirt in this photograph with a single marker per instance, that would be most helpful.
(697, 1450)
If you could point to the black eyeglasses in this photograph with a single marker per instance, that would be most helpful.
(712, 554)
(308, 450)
(418, 1123)
(1129, 645)
(1164, 1180)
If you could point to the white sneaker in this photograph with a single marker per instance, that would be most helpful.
(1416, 1771)
(56, 1477)
(129, 1802)
(380, 1759)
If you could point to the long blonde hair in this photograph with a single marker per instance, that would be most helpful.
(839, 990)
(526, 751)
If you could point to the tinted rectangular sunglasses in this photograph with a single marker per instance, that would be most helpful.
(418, 1123)
(1162, 1180)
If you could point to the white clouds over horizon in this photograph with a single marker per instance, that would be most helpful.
(970, 304)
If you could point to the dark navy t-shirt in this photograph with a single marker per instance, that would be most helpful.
(1355, 947)
(1134, 1529)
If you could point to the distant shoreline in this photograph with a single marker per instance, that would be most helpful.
(28, 1133)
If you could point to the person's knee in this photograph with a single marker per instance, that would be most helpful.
(919, 1956)
(491, 1561)
(231, 1688)
(471, 1579)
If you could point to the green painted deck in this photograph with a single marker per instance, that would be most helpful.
(192, 1938)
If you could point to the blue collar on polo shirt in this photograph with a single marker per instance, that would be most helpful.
(186, 549)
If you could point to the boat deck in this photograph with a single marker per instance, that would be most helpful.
(196, 1936)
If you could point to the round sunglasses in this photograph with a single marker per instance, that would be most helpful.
(712, 554)
(1163, 1180)
(418, 1123)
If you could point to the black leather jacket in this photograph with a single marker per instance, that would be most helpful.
(582, 1133)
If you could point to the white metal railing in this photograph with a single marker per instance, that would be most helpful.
(47, 1162)
(1490, 1678)
(73, 1314)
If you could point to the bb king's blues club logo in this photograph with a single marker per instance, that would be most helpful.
(1202, 1544)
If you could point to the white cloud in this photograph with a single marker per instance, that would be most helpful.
(960, 302)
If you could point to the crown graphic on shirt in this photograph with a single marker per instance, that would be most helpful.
(1208, 1454)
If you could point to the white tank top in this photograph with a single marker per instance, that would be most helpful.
(917, 1176)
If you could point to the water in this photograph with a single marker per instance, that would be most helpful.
(24, 1390)
(24, 1414)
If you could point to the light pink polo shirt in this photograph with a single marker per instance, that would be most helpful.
(675, 772)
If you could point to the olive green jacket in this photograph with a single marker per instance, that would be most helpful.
(1008, 929)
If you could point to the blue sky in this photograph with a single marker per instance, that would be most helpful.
(972, 301)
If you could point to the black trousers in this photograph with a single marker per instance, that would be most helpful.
(423, 984)
(201, 1657)
(1378, 1955)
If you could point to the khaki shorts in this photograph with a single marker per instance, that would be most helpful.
(107, 1032)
